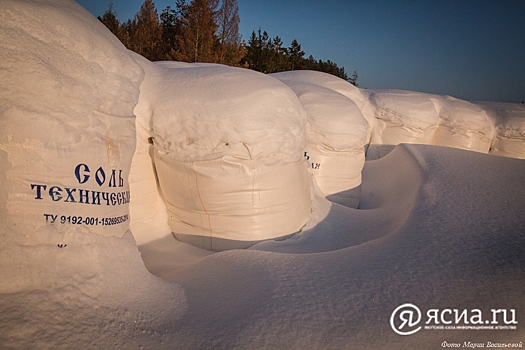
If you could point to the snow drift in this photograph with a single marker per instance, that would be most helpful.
(67, 93)
(400, 117)
(331, 82)
(427, 235)
(325, 80)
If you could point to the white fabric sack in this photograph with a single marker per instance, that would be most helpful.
(509, 119)
(403, 117)
(463, 125)
(67, 125)
(232, 202)
(228, 153)
(336, 139)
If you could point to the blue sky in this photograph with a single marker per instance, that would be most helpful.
(469, 49)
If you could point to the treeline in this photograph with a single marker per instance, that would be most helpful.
(208, 31)
(266, 54)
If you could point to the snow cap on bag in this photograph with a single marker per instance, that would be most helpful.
(334, 83)
(206, 111)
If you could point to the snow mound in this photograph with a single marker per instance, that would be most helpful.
(71, 271)
(429, 232)
(414, 117)
(148, 212)
(333, 118)
(95, 293)
(385, 205)
(68, 89)
(509, 120)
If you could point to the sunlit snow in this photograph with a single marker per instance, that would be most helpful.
(105, 154)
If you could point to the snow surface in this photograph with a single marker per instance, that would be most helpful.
(438, 227)
(429, 233)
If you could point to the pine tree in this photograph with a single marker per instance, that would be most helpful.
(277, 56)
(110, 20)
(146, 32)
(253, 56)
(266, 54)
(127, 29)
(296, 55)
(196, 41)
(168, 21)
(353, 79)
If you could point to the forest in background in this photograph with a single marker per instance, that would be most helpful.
(208, 31)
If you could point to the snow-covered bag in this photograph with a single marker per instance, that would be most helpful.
(336, 139)
(67, 92)
(463, 124)
(227, 148)
(402, 117)
(329, 81)
(509, 119)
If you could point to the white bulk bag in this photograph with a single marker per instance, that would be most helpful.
(463, 125)
(67, 93)
(228, 154)
(403, 117)
(336, 139)
(233, 202)
(509, 119)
